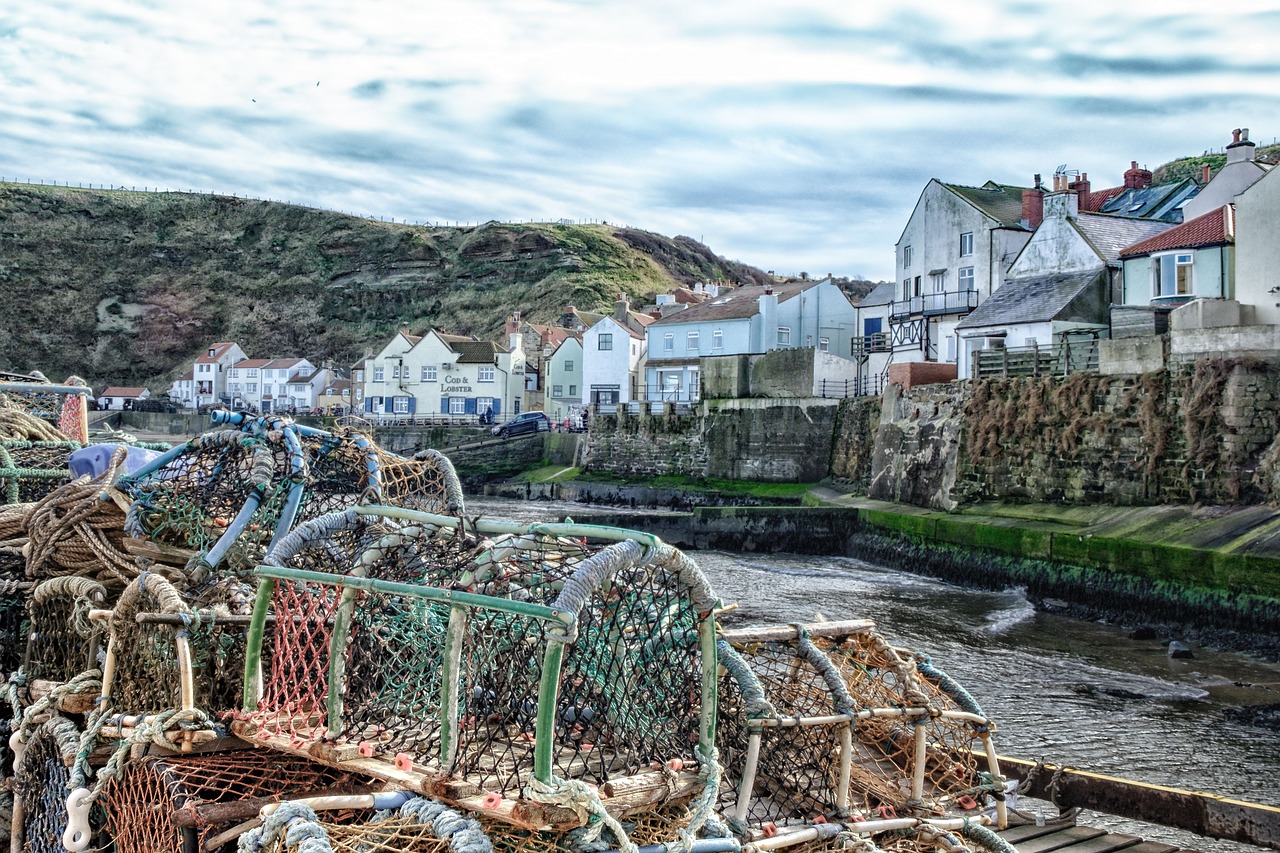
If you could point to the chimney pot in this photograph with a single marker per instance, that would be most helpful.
(1235, 135)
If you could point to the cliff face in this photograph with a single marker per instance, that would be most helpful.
(127, 286)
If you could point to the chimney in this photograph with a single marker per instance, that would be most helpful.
(1205, 174)
(1241, 149)
(768, 306)
(1080, 185)
(1033, 205)
(1062, 204)
(620, 310)
(1135, 178)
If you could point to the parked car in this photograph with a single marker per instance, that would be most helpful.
(523, 423)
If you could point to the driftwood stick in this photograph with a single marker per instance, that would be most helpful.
(782, 633)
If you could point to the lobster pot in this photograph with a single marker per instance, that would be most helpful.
(495, 654)
(143, 804)
(33, 408)
(40, 789)
(826, 726)
(13, 623)
(149, 666)
(62, 643)
(29, 470)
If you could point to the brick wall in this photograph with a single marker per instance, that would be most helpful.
(912, 373)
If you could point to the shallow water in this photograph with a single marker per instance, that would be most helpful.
(1068, 692)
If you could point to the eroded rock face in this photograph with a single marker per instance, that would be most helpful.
(917, 445)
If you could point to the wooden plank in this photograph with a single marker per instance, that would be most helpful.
(1207, 815)
(1152, 847)
(1106, 843)
(1065, 837)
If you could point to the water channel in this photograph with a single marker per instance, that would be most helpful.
(1074, 693)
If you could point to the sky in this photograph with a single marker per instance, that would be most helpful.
(792, 135)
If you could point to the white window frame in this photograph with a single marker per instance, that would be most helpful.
(691, 342)
(1179, 260)
(966, 243)
(939, 281)
(485, 373)
(379, 374)
(429, 373)
(965, 280)
(669, 342)
(824, 344)
(457, 405)
(717, 339)
(784, 336)
(400, 405)
(906, 257)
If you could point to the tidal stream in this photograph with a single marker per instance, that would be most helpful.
(1073, 693)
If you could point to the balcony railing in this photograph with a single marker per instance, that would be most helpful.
(1077, 356)
(935, 304)
(865, 345)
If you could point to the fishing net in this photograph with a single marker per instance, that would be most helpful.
(447, 633)
(40, 787)
(62, 642)
(29, 470)
(155, 801)
(802, 700)
(60, 410)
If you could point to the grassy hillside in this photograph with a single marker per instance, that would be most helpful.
(1190, 167)
(126, 287)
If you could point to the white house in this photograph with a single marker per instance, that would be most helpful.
(116, 397)
(611, 356)
(210, 373)
(1063, 281)
(1240, 172)
(1258, 250)
(954, 252)
(1195, 260)
(443, 375)
(183, 390)
(746, 320)
(564, 380)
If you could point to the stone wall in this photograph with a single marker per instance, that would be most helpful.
(765, 440)
(857, 422)
(915, 455)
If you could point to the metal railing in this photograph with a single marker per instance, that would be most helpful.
(940, 302)
(863, 386)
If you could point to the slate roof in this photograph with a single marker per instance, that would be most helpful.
(882, 294)
(1210, 229)
(1161, 201)
(1034, 299)
(1002, 202)
(1110, 234)
(736, 304)
(475, 352)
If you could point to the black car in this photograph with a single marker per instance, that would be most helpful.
(523, 423)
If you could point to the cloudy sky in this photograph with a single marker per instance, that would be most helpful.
(794, 135)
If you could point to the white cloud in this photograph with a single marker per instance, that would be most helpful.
(790, 135)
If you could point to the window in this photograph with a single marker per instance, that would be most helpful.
(485, 374)
(906, 257)
(457, 405)
(395, 371)
(253, 371)
(691, 342)
(251, 388)
(824, 344)
(965, 278)
(694, 379)
(568, 366)
(938, 280)
(379, 374)
(1172, 274)
(717, 340)
(784, 336)
(906, 288)
(557, 390)
(605, 341)
(573, 390)
(966, 244)
(668, 342)
(400, 405)
(429, 373)
(951, 347)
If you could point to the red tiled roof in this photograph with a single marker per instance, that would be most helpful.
(123, 392)
(219, 349)
(1211, 229)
